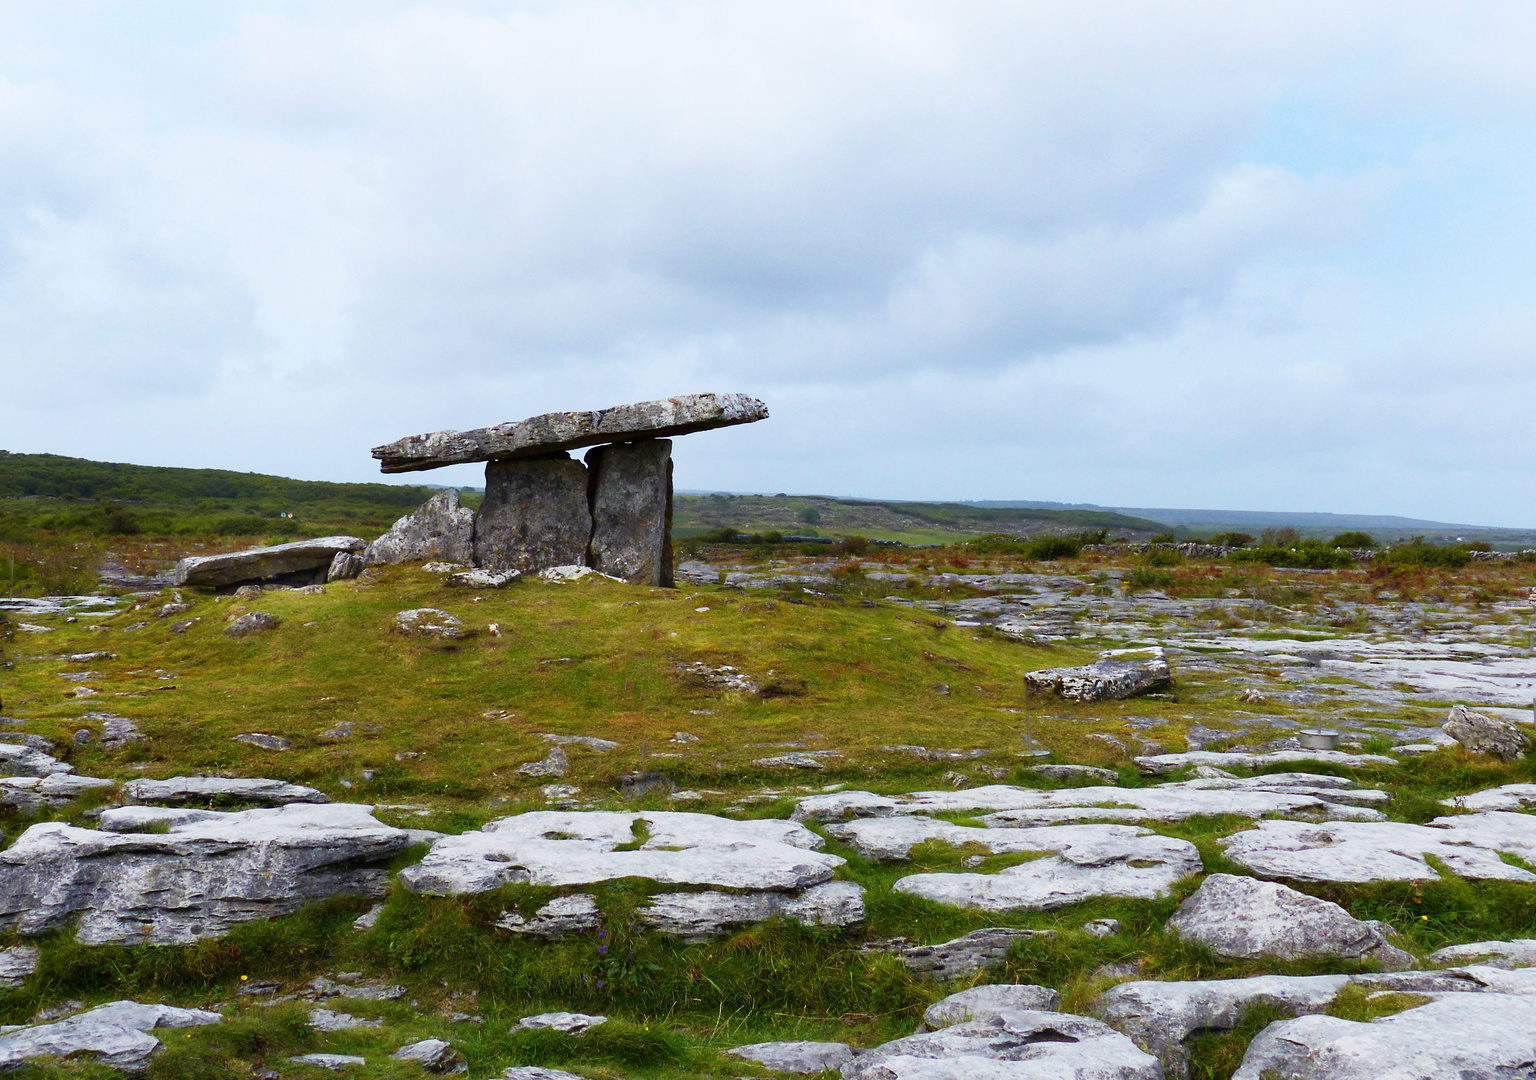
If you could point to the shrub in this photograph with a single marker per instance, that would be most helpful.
(853, 545)
(1163, 538)
(1232, 539)
(1161, 557)
(1044, 548)
(1146, 578)
(1282, 537)
(1307, 554)
(1418, 553)
(1354, 539)
(810, 515)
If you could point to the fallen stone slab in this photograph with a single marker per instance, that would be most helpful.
(1160, 1016)
(1167, 763)
(1466, 1036)
(1507, 797)
(1360, 851)
(430, 622)
(534, 516)
(986, 1003)
(805, 1058)
(16, 963)
(1488, 735)
(1241, 918)
(541, 435)
(1074, 772)
(591, 742)
(1015, 1046)
(302, 559)
(179, 790)
(631, 501)
(433, 1055)
(567, 1023)
(553, 847)
(439, 529)
(1105, 680)
(30, 794)
(116, 1035)
(198, 879)
(334, 1062)
(1518, 952)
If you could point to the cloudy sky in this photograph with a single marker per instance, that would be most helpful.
(1258, 256)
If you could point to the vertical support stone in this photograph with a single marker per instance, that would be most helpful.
(631, 497)
(535, 514)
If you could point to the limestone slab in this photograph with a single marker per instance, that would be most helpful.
(697, 916)
(16, 963)
(202, 789)
(116, 1035)
(439, 529)
(1105, 680)
(1507, 797)
(1518, 951)
(630, 492)
(265, 563)
(986, 1003)
(1167, 763)
(534, 516)
(965, 955)
(805, 1058)
(540, 435)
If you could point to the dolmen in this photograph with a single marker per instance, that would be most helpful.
(611, 512)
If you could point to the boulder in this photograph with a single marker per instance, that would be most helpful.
(987, 1003)
(540, 435)
(345, 566)
(535, 515)
(1023, 1045)
(1105, 680)
(205, 789)
(253, 622)
(439, 529)
(1244, 919)
(433, 1055)
(1466, 1036)
(1482, 734)
(805, 1058)
(430, 622)
(631, 500)
(115, 1035)
(1160, 1016)
(196, 880)
(967, 955)
(18, 759)
(302, 562)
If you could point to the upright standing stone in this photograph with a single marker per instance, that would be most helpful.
(439, 529)
(535, 514)
(631, 496)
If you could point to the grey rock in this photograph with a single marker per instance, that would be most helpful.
(1102, 927)
(16, 963)
(639, 784)
(484, 579)
(23, 760)
(631, 500)
(433, 1055)
(986, 1003)
(1466, 1036)
(30, 794)
(1520, 951)
(1075, 772)
(196, 880)
(561, 917)
(965, 956)
(1023, 1045)
(540, 435)
(1167, 763)
(534, 1072)
(1241, 918)
(334, 1062)
(116, 1035)
(1482, 734)
(534, 515)
(83, 737)
(203, 789)
(345, 566)
(591, 742)
(439, 529)
(1160, 1016)
(264, 563)
(1507, 797)
(326, 1020)
(698, 916)
(430, 622)
(1106, 680)
(554, 764)
(253, 622)
(567, 1023)
(368, 919)
(174, 609)
(796, 760)
(805, 1058)
(264, 741)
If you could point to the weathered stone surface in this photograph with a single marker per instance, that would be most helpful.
(1351, 851)
(1508, 797)
(116, 1035)
(1520, 951)
(344, 567)
(264, 741)
(964, 956)
(16, 963)
(1465, 1036)
(484, 579)
(203, 789)
(534, 1072)
(283, 561)
(195, 881)
(553, 847)
(1241, 918)
(253, 622)
(539, 435)
(327, 1020)
(805, 1058)
(554, 764)
(568, 1023)
(1105, 680)
(433, 1055)
(1482, 734)
(1074, 772)
(1167, 763)
(701, 915)
(535, 515)
(1160, 1016)
(430, 622)
(334, 1062)
(985, 1003)
(18, 759)
(439, 529)
(561, 917)
(30, 794)
(630, 491)
(1015, 1046)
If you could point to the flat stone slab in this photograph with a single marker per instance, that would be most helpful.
(209, 872)
(1466, 1036)
(30, 793)
(805, 1058)
(1520, 951)
(334, 1062)
(552, 432)
(1167, 763)
(1105, 680)
(1022, 1045)
(116, 1035)
(1241, 918)
(264, 563)
(552, 847)
(433, 1055)
(186, 789)
(18, 759)
(1351, 851)
(986, 1003)
(1508, 797)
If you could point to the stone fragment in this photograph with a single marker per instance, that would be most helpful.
(304, 561)
(484, 579)
(203, 789)
(1074, 772)
(439, 529)
(1241, 918)
(698, 916)
(334, 1062)
(967, 955)
(1482, 734)
(567, 1023)
(1466, 1036)
(345, 566)
(534, 1072)
(328, 1021)
(554, 764)
(796, 760)
(555, 847)
(1105, 680)
(540, 435)
(30, 794)
(433, 1055)
(1024, 1045)
(804, 1058)
(630, 492)
(1102, 927)
(984, 1004)
(22, 760)
(1520, 951)
(368, 919)
(196, 880)
(1508, 797)
(639, 784)
(535, 515)
(430, 622)
(561, 917)
(16, 963)
(253, 622)
(115, 1035)
(264, 741)
(1160, 1016)
(591, 742)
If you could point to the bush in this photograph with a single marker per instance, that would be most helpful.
(1354, 539)
(1307, 554)
(810, 515)
(853, 545)
(1232, 539)
(1161, 557)
(1163, 538)
(1044, 548)
(1282, 538)
(1417, 553)
(1145, 578)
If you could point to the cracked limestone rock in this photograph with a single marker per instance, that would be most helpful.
(567, 1023)
(439, 529)
(254, 622)
(203, 789)
(30, 794)
(287, 562)
(198, 879)
(805, 1058)
(1245, 919)
(554, 764)
(1516, 953)
(1167, 763)
(698, 916)
(1105, 680)
(986, 1003)
(430, 622)
(1482, 734)
(484, 579)
(116, 1035)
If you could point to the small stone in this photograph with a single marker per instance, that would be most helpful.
(639, 784)
(266, 742)
(430, 622)
(567, 1023)
(684, 737)
(554, 764)
(484, 579)
(252, 623)
(326, 1020)
(433, 1055)
(16, 963)
(804, 1058)
(976, 951)
(1102, 927)
(368, 919)
(983, 1004)
(1075, 772)
(83, 737)
(185, 625)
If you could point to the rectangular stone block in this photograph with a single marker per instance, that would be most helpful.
(631, 496)
(535, 515)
